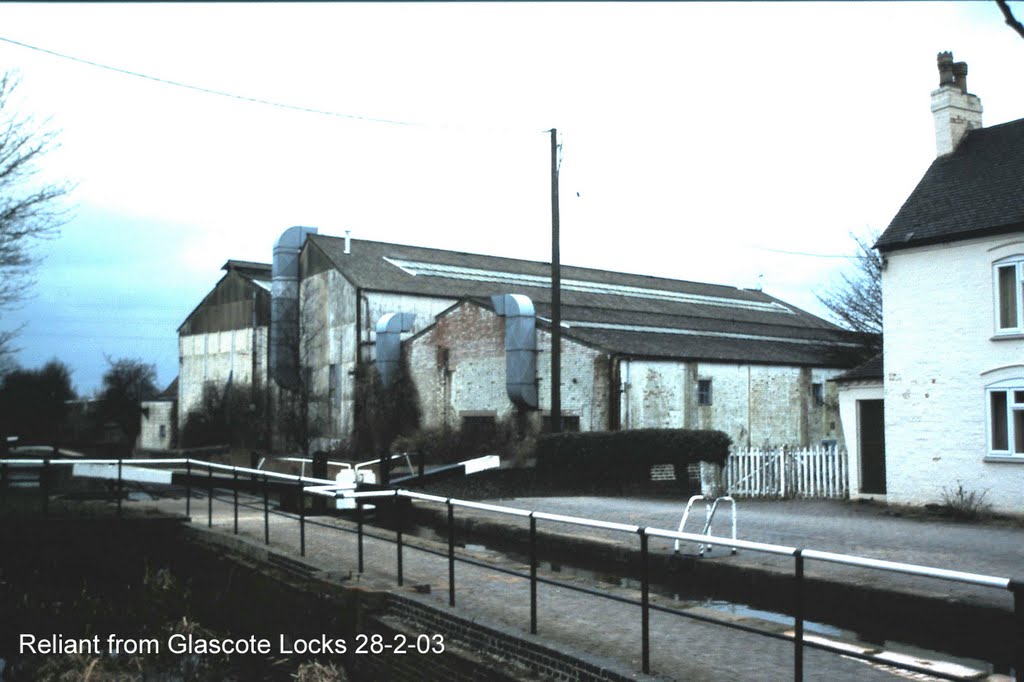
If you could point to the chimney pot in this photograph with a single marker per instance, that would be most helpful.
(956, 111)
(348, 241)
(960, 76)
(945, 60)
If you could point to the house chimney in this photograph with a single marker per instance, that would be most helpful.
(348, 241)
(956, 111)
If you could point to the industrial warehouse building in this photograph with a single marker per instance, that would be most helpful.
(637, 351)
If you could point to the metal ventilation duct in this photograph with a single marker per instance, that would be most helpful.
(284, 307)
(389, 344)
(520, 348)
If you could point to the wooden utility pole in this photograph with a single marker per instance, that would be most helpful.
(556, 296)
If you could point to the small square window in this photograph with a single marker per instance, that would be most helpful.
(163, 431)
(704, 391)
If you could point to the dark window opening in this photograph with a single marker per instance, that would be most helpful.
(704, 392)
(570, 422)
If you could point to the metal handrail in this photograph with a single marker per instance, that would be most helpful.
(333, 489)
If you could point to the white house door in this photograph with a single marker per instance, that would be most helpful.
(872, 446)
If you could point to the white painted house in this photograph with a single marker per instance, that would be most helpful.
(954, 322)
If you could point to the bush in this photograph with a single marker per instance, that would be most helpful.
(445, 446)
(626, 457)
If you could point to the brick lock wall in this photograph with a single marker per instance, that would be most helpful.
(939, 356)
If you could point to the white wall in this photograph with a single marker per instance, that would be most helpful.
(211, 358)
(156, 413)
(849, 395)
(756, 405)
(939, 356)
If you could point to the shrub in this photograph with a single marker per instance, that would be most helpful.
(966, 504)
(626, 457)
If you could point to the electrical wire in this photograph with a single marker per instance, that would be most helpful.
(222, 93)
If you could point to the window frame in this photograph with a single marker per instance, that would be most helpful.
(705, 398)
(1017, 263)
(1013, 404)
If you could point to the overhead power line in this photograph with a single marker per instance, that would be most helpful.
(209, 91)
(230, 95)
(804, 253)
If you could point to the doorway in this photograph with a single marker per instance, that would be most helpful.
(871, 423)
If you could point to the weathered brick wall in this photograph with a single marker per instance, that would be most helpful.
(213, 357)
(939, 357)
(755, 404)
(156, 413)
(459, 367)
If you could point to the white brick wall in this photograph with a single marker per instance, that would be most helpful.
(848, 397)
(157, 413)
(209, 358)
(939, 356)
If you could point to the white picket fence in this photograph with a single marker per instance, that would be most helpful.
(787, 472)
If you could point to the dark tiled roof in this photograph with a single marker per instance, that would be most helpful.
(972, 192)
(249, 269)
(372, 266)
(619, 312)
(870, 370)
(171, 392)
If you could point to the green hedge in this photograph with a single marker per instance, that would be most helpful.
(626, 457)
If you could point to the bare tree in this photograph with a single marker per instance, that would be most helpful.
(856, 302)
(1011, 20)
(29, 210)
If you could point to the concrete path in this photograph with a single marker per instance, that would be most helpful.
(607, 631)
(866, 530)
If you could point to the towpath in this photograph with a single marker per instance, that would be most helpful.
(608, 632)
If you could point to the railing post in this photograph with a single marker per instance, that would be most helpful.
(398, 537)
(188, 487)
(120, 486)
(798, 617)
(266, 512)
(234, 476)
(645, 601)
(44, 486)
(1017, 587)
(209, 497)
(533, 574)
(4, 481)
(254, 461)
(359, 531)
(302, 520)
(451, 553)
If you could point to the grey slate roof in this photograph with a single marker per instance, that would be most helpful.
(872, 370)
(622, 313)
(974, 191)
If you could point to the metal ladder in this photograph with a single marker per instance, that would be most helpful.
(709, 514)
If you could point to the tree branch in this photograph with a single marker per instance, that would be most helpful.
(1011, 20)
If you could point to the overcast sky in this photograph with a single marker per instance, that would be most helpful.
(700, 140)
